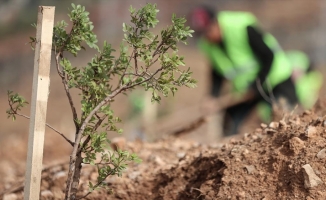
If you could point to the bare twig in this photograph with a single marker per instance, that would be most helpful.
(51, 127)
(58, 66)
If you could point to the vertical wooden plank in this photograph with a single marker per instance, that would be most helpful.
(41, 82)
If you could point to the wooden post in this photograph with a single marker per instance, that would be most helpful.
(40, 92)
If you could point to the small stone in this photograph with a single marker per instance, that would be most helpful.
(255, 137)
(245, 152)
(321, 154)
(118, 143)
(262, 125)
(310, 178)
(250, 169)
(307, 112)
(181, 154)
(274, 125)
(296, 144)
(10, 197)
(46, 194)
(311, 131)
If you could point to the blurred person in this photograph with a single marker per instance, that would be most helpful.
(307, 80)
(246, 56)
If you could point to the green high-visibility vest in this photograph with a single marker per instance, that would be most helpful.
(238, 62)
(308, 85)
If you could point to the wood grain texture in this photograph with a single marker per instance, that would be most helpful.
(41, 82)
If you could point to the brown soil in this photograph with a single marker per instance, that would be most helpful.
(265, 164)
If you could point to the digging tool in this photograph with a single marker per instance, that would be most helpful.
(192, 118)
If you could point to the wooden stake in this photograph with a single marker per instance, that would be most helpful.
(41, 83)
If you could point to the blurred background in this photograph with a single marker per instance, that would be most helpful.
(297, 25)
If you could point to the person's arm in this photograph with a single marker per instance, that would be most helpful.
(262, 51)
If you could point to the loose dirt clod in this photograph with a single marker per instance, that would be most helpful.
(296, 144)
(310, 178)
(257, 166)
(311, 131)
(262, 125)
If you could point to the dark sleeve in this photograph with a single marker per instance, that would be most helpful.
(262, 52)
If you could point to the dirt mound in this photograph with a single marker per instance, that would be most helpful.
(282, 160)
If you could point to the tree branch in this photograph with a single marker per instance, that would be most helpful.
(79, 135)
(125, 70)
(99, 122)
(49, 126)
(65, 84)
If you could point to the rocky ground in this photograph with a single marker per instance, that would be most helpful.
(282, 160)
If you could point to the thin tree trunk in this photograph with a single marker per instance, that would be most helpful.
(74, 173)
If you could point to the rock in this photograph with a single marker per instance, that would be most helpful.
(321, 154)
(181, 154)
(310, 178)
(274, 125)
(10, 197)
(311, 132)
(250, 169)
(262, 125)
(296, 144)
(255, 137)
(46, 194)
(118, 143)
